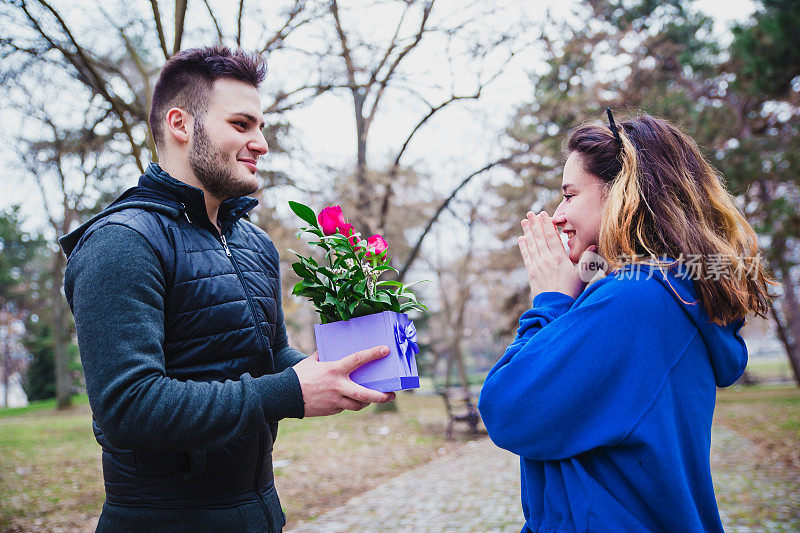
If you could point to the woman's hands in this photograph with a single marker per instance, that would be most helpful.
(549, 268)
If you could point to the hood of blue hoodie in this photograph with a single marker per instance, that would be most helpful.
(726, 347)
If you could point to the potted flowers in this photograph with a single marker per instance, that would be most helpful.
(357, 310)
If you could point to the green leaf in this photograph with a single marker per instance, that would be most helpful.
(343, 312)
(298, 288)
(313, 291)
(344, 291)
(343, 248)
(328, 314)
(381, 268)
(409, 306)
(301, 270)
(382, 297)
(366, 307)
(315, 295)
(390, 283)
(408, 294)
(304, 212)
(361, 287)
(416, 282)
(327, 273)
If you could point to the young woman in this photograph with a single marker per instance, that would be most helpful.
(608, 391)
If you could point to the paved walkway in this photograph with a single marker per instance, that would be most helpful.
(477, 489)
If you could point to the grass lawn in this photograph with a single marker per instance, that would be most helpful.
(768, 416)
(51, 477)
(45, 406)
(770, 369)
(50, 467)
(50, 474)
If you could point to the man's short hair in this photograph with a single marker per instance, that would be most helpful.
(187, 77)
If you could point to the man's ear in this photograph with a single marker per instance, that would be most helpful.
(179, 122)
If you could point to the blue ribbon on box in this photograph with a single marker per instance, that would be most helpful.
(405, 336)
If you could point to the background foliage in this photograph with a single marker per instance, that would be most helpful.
(81, 74)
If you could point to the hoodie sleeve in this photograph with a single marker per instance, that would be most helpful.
(582, 377)
(115, 287)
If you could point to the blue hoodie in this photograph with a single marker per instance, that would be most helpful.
(608, 401)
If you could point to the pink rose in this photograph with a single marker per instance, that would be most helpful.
(348, 231)
(376, 245)
(330, 219)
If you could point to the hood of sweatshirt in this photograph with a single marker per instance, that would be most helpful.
(726, 347)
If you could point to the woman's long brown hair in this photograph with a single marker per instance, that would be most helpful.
(663, 200)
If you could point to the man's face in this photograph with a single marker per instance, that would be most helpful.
(227, 140)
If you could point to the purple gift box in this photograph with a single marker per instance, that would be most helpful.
(396, 371)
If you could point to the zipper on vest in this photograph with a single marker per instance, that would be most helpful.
(185, 212)
(247, 296)
(261, 443)
(228, 253)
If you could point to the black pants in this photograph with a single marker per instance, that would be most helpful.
(245, 518)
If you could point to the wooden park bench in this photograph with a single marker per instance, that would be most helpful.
(459, 409)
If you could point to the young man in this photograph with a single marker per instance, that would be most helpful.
(178, 313)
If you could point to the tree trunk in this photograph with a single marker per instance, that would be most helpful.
(62, 334)
(458, 332)
(791, 350)
(448, 370)
(790, 332)
(6, 367)
(792, 306)
(363, 199)
(789, 329)
(458, 355)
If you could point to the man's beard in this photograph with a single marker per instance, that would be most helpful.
(213, 172)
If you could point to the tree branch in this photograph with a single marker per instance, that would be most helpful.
(214, 20)
(239, 24)
(96, 82)
(397, 60)
(180, 17)
(276, 108)
(287, 27)
(389, 49)
(394, 169)
(134, 55)
(415, 250)
(159, 28)
(346, 54)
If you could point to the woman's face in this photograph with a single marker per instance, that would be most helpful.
(580, 212)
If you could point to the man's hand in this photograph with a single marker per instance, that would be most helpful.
(548, 265)
(328, 389)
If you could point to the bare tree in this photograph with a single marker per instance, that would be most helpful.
(72, 171)
(111, 53)
(457, 274)
(100, 85)
(369, 71)
(119, 65)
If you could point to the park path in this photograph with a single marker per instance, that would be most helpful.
(477, 489)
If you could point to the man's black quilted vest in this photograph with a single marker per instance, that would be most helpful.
(220, 314)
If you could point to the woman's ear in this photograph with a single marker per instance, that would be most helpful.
(178, 124)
